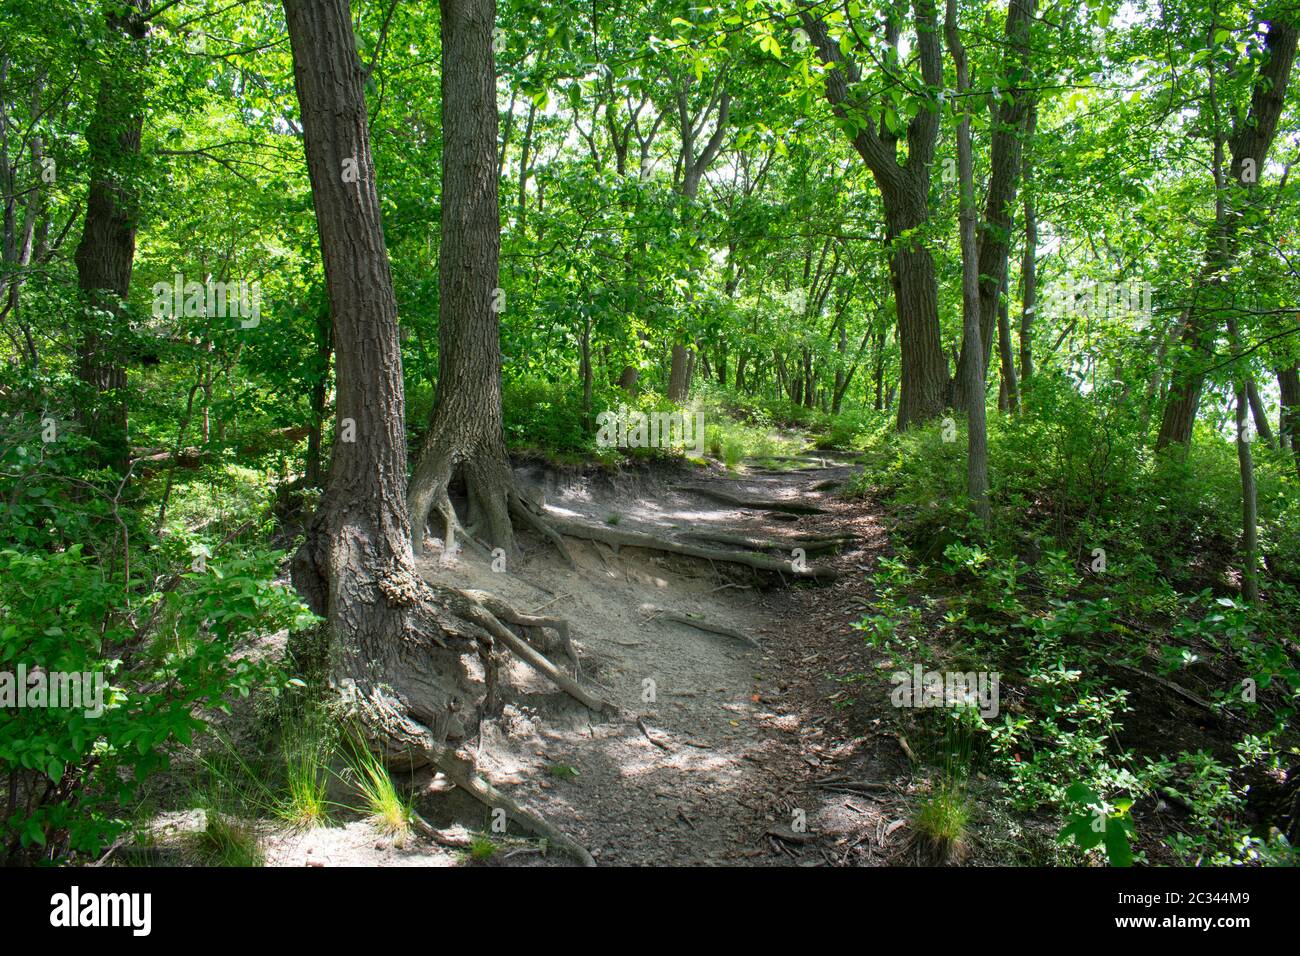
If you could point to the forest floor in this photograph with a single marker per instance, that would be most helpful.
(768, 741)
(785, 752)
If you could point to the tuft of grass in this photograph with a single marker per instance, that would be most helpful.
(307, 747)
(612, 518)
(941, 819)
(227, 841)
(482, 849)
(392, 812)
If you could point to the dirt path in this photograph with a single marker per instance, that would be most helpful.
(741, 734)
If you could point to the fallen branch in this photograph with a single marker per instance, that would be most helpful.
(1180, 692)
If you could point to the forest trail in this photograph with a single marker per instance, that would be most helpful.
(749, 720)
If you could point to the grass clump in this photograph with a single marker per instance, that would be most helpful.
(307, 748)
(391, 812)
(228, 841)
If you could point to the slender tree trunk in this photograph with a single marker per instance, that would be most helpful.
(1029, 259)
(1249, 506)
(994, 235)
(1288, 416)
(1007, 355)
(977, 465)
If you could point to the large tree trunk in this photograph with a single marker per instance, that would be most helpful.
(465, 438)
(924, 368)
(679, 375)
(106, 253)
(1251, 140)
(395, 655)
(904, 191)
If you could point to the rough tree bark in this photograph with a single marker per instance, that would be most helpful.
(397, 645)
(106, 253)
(465, 439)
(904, 190)
(355, 567)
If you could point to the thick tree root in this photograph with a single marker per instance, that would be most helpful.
(811, 544)
(522, 510)
(789, 506)
(698, 623)
(534, 626)
(463, 774)
(470, 606)
(617, 537)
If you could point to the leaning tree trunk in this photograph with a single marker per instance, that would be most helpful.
(465, 438)
(994, 244)
(106, 253)
(1251, 141)
(395, 654)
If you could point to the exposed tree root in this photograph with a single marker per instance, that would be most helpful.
(1186, 695)
(812, 544)
(470, 606)
(789, 506)
(640, 723)
(493, 501)
(617, 537)
(698, 623)
(534, 626)
(523, 510)
(463, 774)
